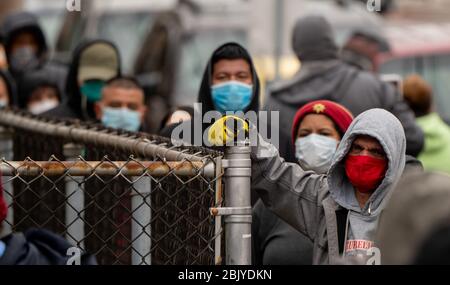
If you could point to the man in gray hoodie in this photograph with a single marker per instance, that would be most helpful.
(324, 76)
(338, 211)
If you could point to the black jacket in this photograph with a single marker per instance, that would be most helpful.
(75, 106)
(39, 247)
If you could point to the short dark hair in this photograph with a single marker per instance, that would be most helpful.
(125, 82)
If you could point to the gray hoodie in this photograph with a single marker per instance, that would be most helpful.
(311, 202)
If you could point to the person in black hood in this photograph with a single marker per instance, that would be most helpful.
(324, 76)
(93, 63)
(229, 84)
(230, 63)
(8, 90)
(26, 48)
(39, 93)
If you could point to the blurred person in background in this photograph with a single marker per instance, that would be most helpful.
(26, 48)
(323, 76)
(317, 130)
(93, 63)
(416, 224)
(39, 93)
(122, 104)
(175, 117)
(361, 49)
(35, 246)
(419, 95)
(8, 91)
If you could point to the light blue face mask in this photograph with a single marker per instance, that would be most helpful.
(92, 89)
(231, 96)
(315, 152)
(121, 118)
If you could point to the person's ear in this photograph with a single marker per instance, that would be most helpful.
(98, 110)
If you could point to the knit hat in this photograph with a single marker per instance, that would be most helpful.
(340, 115)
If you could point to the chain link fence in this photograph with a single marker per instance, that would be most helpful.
(127, 198)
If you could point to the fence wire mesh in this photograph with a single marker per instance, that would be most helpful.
(115, 194)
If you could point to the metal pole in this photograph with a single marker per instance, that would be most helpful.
(237, 199)
(218, 218)
(278, 35)
(75, 200)
(141, 221)
(6, 151)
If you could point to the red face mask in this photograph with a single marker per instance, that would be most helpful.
(365, 172)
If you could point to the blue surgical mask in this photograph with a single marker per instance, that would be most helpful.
(315, 152)
(121, 118)
(92, 89)
(231, 96)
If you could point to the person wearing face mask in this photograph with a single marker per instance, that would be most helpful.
(122, 104)
(8, 91)
(26, 49)
(317, 130)
(229, 84)
(94, 62)
(39, 93)
(338, 211)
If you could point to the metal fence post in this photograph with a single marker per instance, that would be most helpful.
(7, 152)
(75, 200)
(238, 218)
(140, 222)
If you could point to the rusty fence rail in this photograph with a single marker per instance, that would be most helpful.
(127, 198)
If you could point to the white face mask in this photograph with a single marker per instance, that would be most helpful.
(43, 106)
(315, 152)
